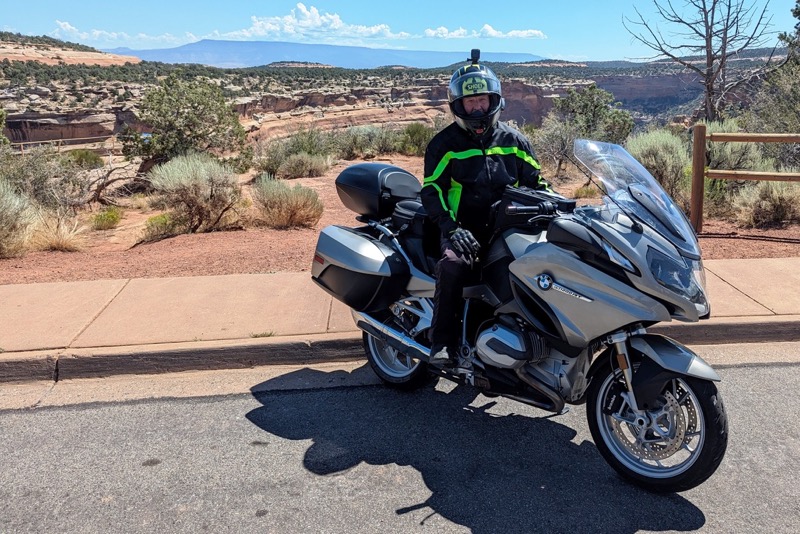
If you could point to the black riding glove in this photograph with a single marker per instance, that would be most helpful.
(464, 242)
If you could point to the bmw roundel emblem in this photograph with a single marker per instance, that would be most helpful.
(545, 282)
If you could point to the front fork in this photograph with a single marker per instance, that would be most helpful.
(619, 342)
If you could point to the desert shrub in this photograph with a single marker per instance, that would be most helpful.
(46, 177)
(310, 141)
(586, 191)
(767, 204)
(269, 155)
(414, 138)
(352, 143)
(160, 226)
(309, 151)
(734, 156)
(366, 142)
(57, 230)
(384, 140)
(553, 142)
(108, 218)
(665, 156)
(242, 162)
(776, 109)
(85, 158)
(16, 219)
(303, 165)
(281, 206)
(200, 191)
(719, 194)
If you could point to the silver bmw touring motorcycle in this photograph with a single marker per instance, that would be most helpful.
(558, 311)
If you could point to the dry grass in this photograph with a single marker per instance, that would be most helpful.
(57, 232)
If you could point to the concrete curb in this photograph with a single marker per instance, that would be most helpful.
(98, 362)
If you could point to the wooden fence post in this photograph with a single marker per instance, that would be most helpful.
(698, 176)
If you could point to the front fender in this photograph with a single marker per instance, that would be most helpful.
(673, 356)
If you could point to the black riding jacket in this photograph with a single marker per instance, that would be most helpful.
(465, 175)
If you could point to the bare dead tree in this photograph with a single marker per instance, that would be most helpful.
(706, 35)
(103, 179)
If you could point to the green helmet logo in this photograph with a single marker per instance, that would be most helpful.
(474, 86)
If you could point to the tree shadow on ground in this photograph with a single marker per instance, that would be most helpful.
(488, 468)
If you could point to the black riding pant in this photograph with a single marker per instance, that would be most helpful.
(452, 273)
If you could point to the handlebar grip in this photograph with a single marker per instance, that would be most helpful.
(545, 208)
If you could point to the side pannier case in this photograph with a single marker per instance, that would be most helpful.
(373, 189)
(358, 270)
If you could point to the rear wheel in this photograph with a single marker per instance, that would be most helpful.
(672, 448)
(395, 369)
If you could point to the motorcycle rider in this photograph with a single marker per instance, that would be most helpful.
(467, 167)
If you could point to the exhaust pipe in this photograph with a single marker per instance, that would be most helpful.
(556, 402)
(394, 338)
(401, 342)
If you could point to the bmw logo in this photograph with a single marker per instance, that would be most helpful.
(545, 281)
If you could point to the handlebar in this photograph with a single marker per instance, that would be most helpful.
(544, 208)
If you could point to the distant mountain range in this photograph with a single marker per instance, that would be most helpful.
(239, 54)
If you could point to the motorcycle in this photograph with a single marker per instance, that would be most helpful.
(558, 311)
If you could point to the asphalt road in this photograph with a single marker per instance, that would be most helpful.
(368, 459)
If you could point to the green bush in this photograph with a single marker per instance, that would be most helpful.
(310, 141)
(311, 147)
(303, 165)
(200, 191)
(768, 204)
(16, 220)
(269, 155)
(160, 226)
(46, 177)
(108, 218)
(415, 137)
(282, 206)
(352, 143)
(586, 191)
(86, 159)
(665, 156)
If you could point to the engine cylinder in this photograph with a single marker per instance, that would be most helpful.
(510, 348)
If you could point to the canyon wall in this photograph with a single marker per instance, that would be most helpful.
(33, 116)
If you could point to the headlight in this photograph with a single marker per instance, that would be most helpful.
(688, 281)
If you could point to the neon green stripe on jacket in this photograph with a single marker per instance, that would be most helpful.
(454, 194)
(508, 150)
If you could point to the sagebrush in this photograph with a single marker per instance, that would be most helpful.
(281, 206)
(201, 192)
(16, 220)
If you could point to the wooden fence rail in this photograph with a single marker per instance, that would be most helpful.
(699, 171)
(58, 143)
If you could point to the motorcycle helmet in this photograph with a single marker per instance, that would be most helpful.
(472, 80)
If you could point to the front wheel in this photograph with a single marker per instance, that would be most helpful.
(395, 369)
(672, 448)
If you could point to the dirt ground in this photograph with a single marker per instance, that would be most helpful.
(111, 254)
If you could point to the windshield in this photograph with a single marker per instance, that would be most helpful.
(636, 192)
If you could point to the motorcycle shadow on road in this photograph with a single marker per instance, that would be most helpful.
(491, 464)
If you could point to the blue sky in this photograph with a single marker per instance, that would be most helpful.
(588, 30)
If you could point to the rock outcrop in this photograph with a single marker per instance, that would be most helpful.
(50, 113)
(50, 56)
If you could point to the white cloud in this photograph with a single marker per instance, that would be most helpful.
(302, 24)
(443, 33)
(486, 32)
(309, 25)
(68, 32)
